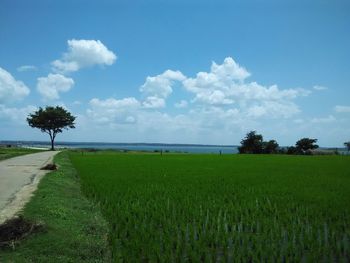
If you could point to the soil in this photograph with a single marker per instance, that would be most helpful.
(16, 229)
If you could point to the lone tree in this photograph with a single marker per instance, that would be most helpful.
(51, 120)
(305, 144)
(252, 143)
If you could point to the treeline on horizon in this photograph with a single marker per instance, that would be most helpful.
(253, 143)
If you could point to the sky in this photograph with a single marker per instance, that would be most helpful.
(203, 72)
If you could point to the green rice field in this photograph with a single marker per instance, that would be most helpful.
(228, 208)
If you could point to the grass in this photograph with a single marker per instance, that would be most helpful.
(75, 231)
(225, 208)
(6, 153)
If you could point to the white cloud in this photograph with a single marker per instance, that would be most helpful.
(222, 100)
(318, 87)
(273, 109)
(153, 102)
(26, 68)
(112, 111)
(130, 102)
(327, 119)
(229, 70)
(213, 97)
(83, 53)
(181, 104)
(224, 106)
(50, 87)
(225, 84)
(11, 89)
(17, 115)
(342, 109)
(161, 85)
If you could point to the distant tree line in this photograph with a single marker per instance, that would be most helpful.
(254, 143)
(347, 145)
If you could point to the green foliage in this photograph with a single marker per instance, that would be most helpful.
(270, 146)
(51, 120)
(305, 144)
(254, 143)
(75, 228)
(228, 208)
(292, 150)
(347, 145)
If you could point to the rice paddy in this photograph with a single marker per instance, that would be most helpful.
(228, 208)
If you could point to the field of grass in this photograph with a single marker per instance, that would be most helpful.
(74, 229)
(213, 208)
(6, 153)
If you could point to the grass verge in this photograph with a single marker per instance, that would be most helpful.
(74, 229)
(6, 153)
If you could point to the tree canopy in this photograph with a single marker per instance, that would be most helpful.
(306, 144)
(254, 143)
(270, 147)
(347, 145)
(51, 120)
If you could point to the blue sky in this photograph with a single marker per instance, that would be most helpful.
(178, 71)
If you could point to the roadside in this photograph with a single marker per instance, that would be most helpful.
(19, 177)
(74, 229)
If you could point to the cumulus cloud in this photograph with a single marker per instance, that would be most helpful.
(226, 84)
(161, 85)
(83, 53)
(213, 97)
(17, 115)
(223, 101)
(112, 110)
(11, 89)
(273, 109)
(342, 109)
(153, 102)
(229, 69)
(26, 68)
(49, 87)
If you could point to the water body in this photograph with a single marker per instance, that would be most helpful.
(149, 147)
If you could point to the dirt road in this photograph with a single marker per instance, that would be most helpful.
(19, 177)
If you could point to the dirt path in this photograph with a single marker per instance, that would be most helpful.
(19, 177)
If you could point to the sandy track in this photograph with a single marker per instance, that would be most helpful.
(19, 177)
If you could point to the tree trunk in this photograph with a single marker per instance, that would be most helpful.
(52, 144)
(52, 138)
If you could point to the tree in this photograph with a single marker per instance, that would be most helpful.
(270, 146)
(305, 144)
(292, 150)
(51, 120)
(347, 145)
(252, 143)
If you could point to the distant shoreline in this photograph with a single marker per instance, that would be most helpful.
(4, 142)
(142, 147)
